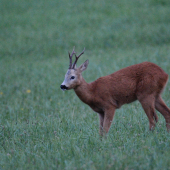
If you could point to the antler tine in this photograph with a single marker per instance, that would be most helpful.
(70, 56)
(77, 57)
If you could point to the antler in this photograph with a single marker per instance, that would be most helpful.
(70, 56)
(77, 57)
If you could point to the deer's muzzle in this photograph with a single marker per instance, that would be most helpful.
(63, 87)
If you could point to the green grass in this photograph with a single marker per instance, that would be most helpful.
(42, 127)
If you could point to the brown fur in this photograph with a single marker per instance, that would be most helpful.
(144, 82)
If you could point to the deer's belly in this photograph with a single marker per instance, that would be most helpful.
(124, 99)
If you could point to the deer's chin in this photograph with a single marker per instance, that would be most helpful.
(69, 88)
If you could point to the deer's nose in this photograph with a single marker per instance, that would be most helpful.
(63, 87)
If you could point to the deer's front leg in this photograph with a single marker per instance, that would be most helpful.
(101, 118)
(108, 117)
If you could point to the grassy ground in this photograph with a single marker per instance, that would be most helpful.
(42, 127)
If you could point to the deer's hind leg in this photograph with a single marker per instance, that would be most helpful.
(148, 104)
(164, 110)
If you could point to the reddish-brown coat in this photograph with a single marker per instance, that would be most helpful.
(144, 82)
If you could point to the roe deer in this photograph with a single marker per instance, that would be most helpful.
(144, 82)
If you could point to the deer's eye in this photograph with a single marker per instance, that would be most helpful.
(72, 77)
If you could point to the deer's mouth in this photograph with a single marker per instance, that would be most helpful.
(63, 87)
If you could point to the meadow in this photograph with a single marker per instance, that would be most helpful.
(42, 127)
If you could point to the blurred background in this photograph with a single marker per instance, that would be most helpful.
(37, 119)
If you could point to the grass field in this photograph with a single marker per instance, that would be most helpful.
(42, 127)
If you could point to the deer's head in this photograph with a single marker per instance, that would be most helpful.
(73, 76)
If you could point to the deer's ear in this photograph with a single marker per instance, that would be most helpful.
(84, 66)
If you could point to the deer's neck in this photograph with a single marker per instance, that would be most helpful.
(84, 91)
